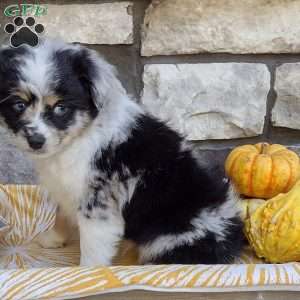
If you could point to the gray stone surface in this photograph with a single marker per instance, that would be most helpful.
(14, 166)
(248, 26)
(286, 111)
(91, 23)
(4, 37)
(106, 23)
(208, 101)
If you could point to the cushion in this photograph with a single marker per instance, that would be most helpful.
(31, 272)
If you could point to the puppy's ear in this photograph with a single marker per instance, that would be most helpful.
(98, 77)
(85, 69)
(92, 90)
(10, 59)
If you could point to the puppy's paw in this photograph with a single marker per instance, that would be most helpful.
(51, 239)
(94, 260)
(88, 262)
(85, 262)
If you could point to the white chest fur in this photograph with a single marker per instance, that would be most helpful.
(66, 175)
(66, 184)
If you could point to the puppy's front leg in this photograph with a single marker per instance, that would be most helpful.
(99, 238)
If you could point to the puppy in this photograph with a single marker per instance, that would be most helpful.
(114, 170)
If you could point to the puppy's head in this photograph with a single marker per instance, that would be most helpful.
(51, 94)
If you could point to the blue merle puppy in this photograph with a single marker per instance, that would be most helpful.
(115, 171)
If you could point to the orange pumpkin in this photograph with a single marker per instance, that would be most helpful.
(262, 170)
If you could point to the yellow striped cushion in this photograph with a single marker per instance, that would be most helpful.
(52, 273)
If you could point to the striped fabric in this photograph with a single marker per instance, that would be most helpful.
(30, 272)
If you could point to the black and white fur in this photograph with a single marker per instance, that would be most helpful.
(114, 170)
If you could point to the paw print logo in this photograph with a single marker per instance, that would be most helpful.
(24, 32)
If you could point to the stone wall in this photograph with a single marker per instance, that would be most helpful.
(223, 72)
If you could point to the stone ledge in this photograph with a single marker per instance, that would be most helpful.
(208, 101)
(286, 110)
(193, 26)
(106, 23)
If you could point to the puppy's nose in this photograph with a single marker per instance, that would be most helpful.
(36, 141)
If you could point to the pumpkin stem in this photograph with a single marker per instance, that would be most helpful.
(263, 149)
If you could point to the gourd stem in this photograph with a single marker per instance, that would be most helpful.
(264, 148)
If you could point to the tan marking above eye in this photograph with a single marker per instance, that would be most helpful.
(51, 100)
(23, 95)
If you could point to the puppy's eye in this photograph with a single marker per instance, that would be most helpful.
(60, 110)
(19, 107)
